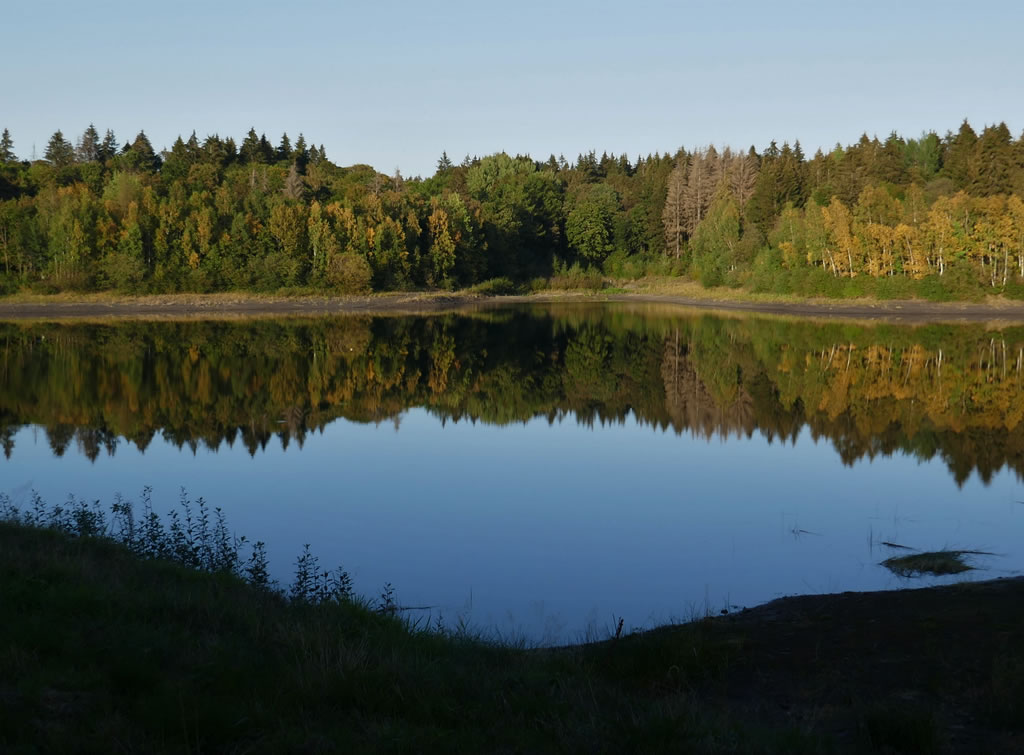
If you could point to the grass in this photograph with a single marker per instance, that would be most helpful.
(105, 652)
(936, 563)
(909, 729)
(121, 646)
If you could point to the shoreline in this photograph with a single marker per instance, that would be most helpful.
(112, 637)
(24, 307)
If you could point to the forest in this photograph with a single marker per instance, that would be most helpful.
(951, 392)
(940, 217)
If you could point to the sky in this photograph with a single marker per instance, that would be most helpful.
(394, 83)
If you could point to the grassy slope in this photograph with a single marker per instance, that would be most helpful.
(102, 652)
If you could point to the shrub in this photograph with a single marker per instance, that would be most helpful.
(495, 287)
(576, 278)
(350, 273)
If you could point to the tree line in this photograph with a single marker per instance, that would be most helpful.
(938, 215)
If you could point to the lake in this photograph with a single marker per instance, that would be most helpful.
(538, 473)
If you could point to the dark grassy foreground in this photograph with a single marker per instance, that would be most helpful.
(101, 651)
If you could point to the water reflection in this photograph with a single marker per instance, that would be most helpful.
(935, 391)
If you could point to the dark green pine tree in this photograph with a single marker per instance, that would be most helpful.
(993, 162)
(891, 162)
(791, 179)
(1018, 162)
(108, 147)
(300, 153)
(176, 162)
(220, 152)
(444, 164)
(958, 155)
(193, 151)
(250, 152)
(760, 210)
(853, 166)
(266, 149)
(7, 148)
(284, 149)
(141, 156)
(89, 145)
(59, 151)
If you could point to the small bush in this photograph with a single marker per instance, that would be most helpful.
(626, 266)
(193, 535)
(894, 287)
(350, 273)
(1014, 290)
(495, 287)
(123, 272)
(576, 278)
(537, 284)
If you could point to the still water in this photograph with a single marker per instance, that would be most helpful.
(539, 473)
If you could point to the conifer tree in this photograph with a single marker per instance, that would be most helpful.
(993, 161)
(7, 148)
(284, 148)
(958, 156)
(141, 156)
(193, 151)
(672, 216)
(59, 151)
(108, 147)
(89, 145)
(249, 152)
(300, 153)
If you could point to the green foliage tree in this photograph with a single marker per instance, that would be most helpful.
(715, 244)
(590, 225)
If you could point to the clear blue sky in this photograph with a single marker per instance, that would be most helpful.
(393, 83)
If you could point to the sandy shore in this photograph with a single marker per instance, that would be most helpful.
(246, 305)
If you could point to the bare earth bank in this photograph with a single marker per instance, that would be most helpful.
(249, 305)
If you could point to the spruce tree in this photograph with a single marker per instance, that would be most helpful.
(192, 149)
(249, 152)
(993, 160)
(958, 156)
(266, 151)
(141, 155)
(108, 147)
(59, 151)
(284, 149)
(7, 148)
(89, 145)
